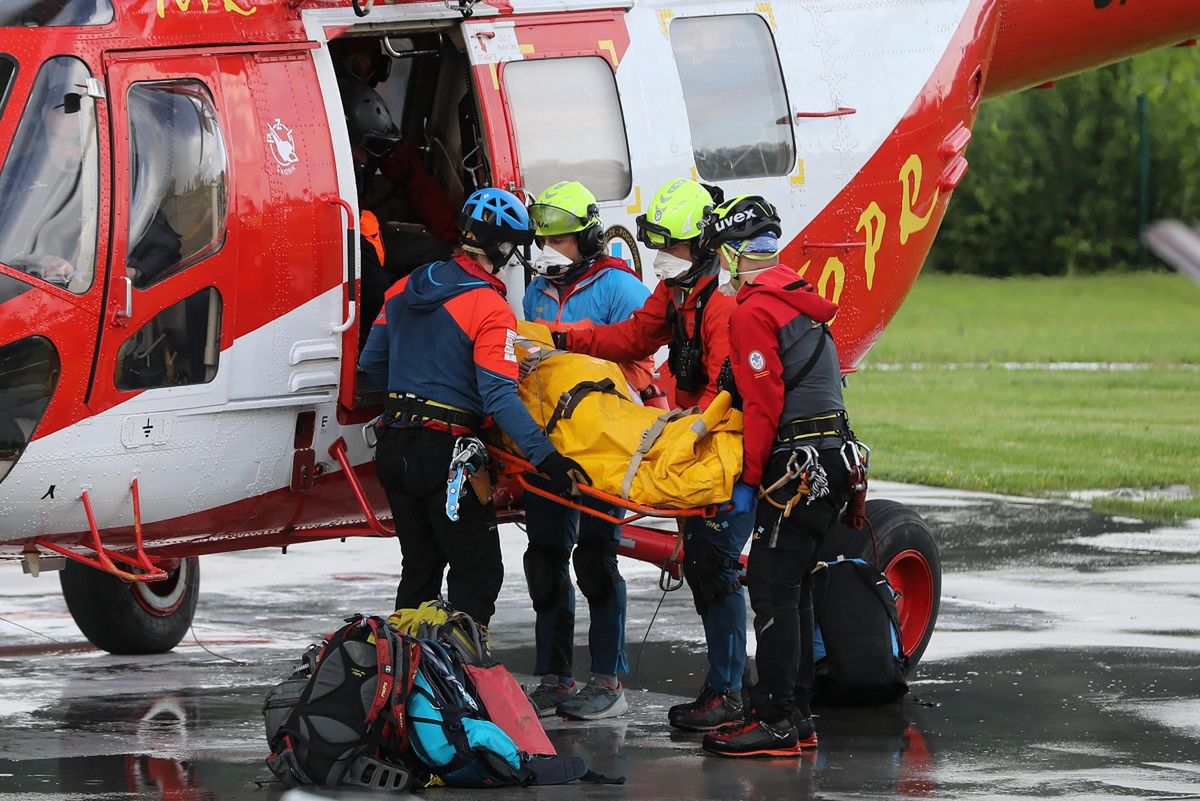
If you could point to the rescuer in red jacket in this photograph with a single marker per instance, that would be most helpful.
(785, 366)
(688, 314)
(687, 290)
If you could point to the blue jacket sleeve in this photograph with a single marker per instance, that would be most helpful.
(626, 295)
(374, 357)
(501, 401)
(496, 377)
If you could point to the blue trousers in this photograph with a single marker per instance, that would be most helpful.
(554, 532)
(710, 562)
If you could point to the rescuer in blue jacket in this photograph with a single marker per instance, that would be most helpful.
(577, 285)
(443, 348)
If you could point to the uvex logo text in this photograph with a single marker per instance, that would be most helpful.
(740, 217)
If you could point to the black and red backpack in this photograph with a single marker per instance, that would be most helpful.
(339, 719)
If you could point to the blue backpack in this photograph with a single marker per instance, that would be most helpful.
(446, 732)
(450, 735)
(860, 661)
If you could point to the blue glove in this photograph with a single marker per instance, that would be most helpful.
(743, 499)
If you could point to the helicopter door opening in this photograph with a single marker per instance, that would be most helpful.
(413, 120)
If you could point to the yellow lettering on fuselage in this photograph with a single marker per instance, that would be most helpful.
(910, 188)
(240, 7)
(836, 270)
(873, 221)
(833, 269)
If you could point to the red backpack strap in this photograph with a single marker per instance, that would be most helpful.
(411, 648)
(384, 661)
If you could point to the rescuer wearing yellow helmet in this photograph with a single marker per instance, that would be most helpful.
(688, 315)
(578, 285)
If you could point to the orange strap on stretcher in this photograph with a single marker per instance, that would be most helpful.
(511, 465)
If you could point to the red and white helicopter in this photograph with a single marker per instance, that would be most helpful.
(210, 404)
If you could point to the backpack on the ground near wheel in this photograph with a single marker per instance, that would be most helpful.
(346, 722)
(860, 660)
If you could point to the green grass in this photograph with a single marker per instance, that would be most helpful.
(1129, 317)
(1037, 432)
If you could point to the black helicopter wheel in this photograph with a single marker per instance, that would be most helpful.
(132, 618)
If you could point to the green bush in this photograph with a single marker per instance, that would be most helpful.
(1054, 181)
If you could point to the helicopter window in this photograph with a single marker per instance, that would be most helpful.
(580, 136)
(177, 169)
(52, 13)
(8, 68)
(733, 90)
(28, 374)
(181, 345)
(49, 187)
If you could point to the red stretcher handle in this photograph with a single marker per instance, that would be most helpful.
(516, 466)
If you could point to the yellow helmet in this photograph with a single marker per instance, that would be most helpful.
(568, 207)
(674, 214)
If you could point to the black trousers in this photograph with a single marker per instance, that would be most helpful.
(783, 553)
(412, 464)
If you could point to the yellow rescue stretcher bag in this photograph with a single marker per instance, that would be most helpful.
(678, 459)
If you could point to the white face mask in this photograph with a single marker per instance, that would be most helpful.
(551, 263)
(667, 266)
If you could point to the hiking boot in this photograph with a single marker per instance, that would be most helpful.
(713, 710)
(597, 700)
(761, 739)
(549, 693)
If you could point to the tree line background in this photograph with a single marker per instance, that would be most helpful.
(1057, 175)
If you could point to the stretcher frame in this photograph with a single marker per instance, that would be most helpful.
(515, 466)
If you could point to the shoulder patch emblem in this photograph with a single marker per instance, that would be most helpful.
(756, 360)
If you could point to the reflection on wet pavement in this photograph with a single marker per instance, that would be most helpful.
(1062, 667)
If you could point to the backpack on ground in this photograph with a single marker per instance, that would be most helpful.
(858, 644)
(450, 735)
(500, 697)
(339, 720)
(458, 631)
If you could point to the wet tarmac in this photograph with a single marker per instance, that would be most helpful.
(1064, 665)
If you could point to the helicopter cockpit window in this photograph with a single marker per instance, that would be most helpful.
(733, 90)
(581, 135)
(180, 346)
(29, 371)
(54, 13)
(177, 177)
(49, 187)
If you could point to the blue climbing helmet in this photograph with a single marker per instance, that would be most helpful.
(496, 224)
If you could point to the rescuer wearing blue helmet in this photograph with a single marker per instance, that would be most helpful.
(442, 346)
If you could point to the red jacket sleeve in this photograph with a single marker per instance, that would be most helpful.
(636, 338)
(403, 168)
(758, 371)
(716, 340)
